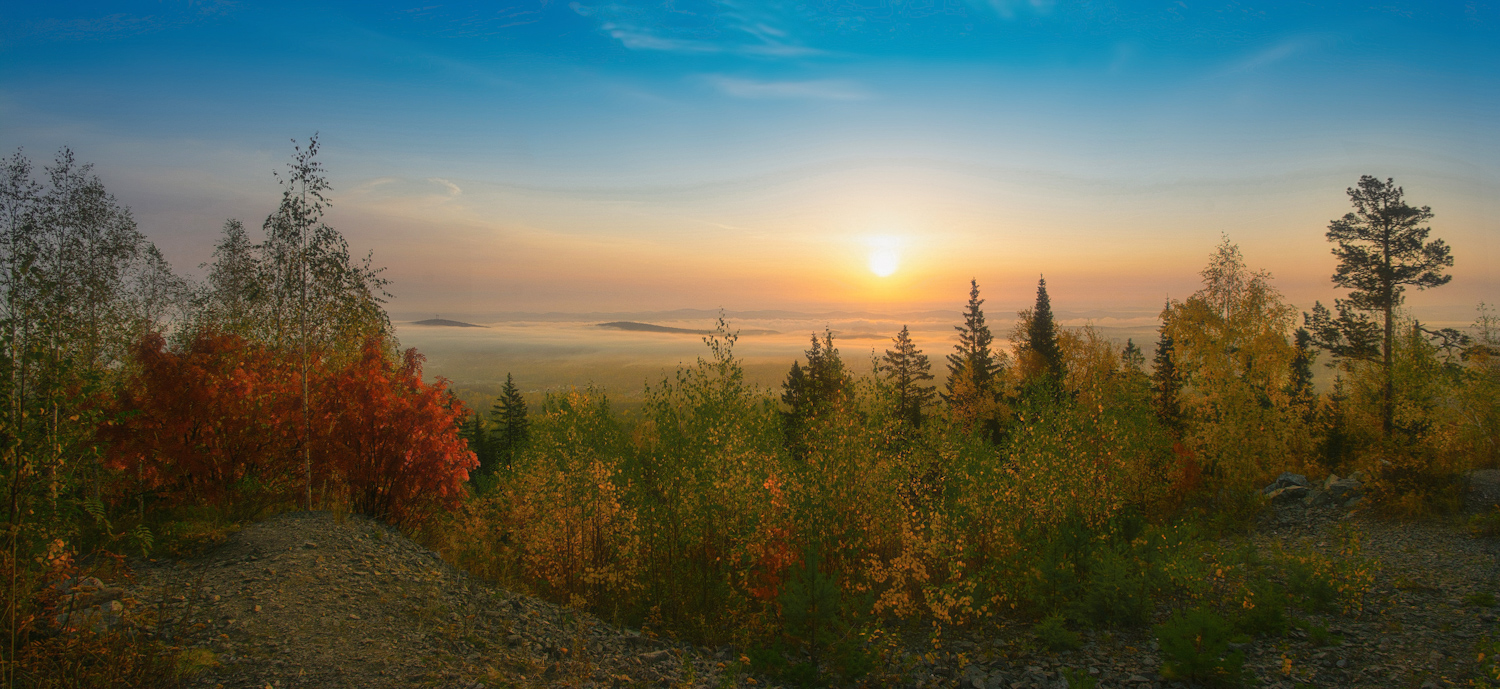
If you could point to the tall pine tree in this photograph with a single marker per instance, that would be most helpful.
(905, 368)
(1382, 249)
(1040, 345)
(971, 357)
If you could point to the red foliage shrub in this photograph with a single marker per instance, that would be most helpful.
(220, 422)
(214, 422)
(392, 439)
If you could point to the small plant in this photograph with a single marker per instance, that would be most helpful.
(1263, 610)
(1485, 525)
(1481, 599)
(1116, 592)
(1078, 679)
(1489, 659)
(1054, 635)
(1319, 635)
(1195, 648)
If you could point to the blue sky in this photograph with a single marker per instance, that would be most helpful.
(634, 156)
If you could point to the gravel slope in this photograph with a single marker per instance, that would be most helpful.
(318, 600)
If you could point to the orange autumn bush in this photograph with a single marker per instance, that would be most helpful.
(214, 422)
(388, 439)
(218, 422)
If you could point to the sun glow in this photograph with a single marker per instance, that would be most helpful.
(885, 255)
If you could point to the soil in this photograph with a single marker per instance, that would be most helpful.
(329, 601)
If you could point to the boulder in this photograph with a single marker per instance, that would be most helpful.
(1290, 494)
(1342, 489)
(1287, 480)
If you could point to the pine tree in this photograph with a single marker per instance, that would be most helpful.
(905, 368)
(1166, 381)
(972, 357)
(512, 429)
(1041, 337)
(1382, 248)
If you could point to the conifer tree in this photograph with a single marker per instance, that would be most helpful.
(1131, 358)
(512, 429)
(1166, 381)
(1382, 248)
(809, 391)
(1299, 386)
(1040, 343)
(972, 357)
(905, 368)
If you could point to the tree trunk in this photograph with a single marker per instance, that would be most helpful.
(1388, 394)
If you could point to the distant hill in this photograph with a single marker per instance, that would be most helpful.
(651, 328)
(446, 322)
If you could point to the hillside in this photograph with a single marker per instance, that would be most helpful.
(321, 600)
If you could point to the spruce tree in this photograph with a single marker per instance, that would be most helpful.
(1041, 336)
(1166, 381)
(512, 429)
(1131, 358)
(972, 356)
(1299, 386)
(810, 391)
(905, 368)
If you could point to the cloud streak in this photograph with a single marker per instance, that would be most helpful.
(814, 89)
(718, 27)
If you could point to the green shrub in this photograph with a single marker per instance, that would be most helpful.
(1481, 599)
(1264, 611)
(1195, 648)
(1116, 592)
(1316, 591)
(1485, 525)
(1078, 679)
(1319, 635)
(1052, 633)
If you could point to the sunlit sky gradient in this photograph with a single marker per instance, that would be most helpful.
(658, 155)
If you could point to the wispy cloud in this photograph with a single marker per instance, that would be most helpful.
(1272, 55)
(1008, 9)
(814, 89)
(453, 189)
(703, 27)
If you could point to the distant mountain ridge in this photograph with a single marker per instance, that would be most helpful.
(634, 326)
(447, 323)
(650, 328)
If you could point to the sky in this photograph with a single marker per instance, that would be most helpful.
(840, 155)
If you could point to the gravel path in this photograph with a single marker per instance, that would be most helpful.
(313, 600)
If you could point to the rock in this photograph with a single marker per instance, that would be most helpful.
(1316, 498)
(1341, 489)
(1287, 479)
(1292, 494)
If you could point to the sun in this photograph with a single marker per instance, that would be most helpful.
(885, 255)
